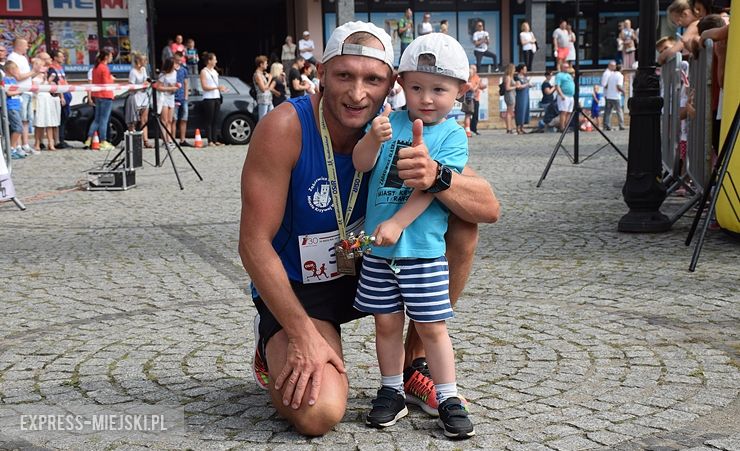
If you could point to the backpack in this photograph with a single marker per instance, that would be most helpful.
(502, 88)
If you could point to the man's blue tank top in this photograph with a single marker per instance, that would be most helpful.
(309, 208)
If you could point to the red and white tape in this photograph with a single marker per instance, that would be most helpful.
(13, 90)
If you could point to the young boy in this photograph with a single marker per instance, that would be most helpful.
(191, 54)
(596, 96)
(14, 112)
(407, 268)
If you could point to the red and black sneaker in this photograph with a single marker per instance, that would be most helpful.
(259, 365)
(419, 387)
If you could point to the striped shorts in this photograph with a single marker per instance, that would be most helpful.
(421, 286)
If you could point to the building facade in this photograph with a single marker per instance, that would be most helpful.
(239, 30)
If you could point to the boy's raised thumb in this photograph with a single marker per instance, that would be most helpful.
(418, 131)
(387, 110)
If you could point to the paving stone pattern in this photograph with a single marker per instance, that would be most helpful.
(569, 335)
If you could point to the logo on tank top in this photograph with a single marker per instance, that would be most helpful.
(319, 195)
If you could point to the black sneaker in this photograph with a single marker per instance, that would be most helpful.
(185, 144)
(419, 364)
(388, 408)
(453, 418)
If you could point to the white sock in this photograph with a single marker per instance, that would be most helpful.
(445, 391)
(395, 382)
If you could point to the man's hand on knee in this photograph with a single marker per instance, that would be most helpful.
(304, 368)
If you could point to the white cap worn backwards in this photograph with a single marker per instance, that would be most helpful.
(336, 46)
(450, 58)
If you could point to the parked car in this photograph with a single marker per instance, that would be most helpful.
(236, 120)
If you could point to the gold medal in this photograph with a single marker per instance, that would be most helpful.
(346, 260)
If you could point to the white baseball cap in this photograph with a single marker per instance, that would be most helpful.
(306, 33)
(336, 46)
(450, 57)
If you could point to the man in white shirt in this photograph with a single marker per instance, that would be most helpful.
(306, 47)
(561, 42)
(425, 27)
(610, 68)
(613, 90)
(481, 39)
(26, 73)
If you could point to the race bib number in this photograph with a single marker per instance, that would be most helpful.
(318, 255)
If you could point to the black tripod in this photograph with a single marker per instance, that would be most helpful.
(574, 117)
(157, 119)
(719, 173)
(151, 18)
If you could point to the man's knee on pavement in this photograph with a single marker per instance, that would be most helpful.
(325, 414)
(320, 418)
(332, 401)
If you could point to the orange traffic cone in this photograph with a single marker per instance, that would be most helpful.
(95, 142)
(198, 139)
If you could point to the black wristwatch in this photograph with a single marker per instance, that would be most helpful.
(443, 180)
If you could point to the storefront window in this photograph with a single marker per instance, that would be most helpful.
(116, 40)
(72, 26)
(31, 30)
(79, 42)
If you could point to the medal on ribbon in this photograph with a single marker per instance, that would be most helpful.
(347, 250)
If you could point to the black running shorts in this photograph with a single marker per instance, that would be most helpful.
(326, 301)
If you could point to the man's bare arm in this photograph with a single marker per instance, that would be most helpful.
(265, 182)
(470, 196)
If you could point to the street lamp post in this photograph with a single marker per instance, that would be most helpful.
(643, 190)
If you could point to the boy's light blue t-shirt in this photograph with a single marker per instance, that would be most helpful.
(423, 238)
(566, 83)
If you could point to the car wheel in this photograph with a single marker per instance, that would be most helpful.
(238, 129)
(117, 129)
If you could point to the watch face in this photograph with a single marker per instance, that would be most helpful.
(445, 177)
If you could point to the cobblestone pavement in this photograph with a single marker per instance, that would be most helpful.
(569, 335)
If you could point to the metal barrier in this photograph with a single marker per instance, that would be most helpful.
(698, 164)
(672, 84)
(699, 153)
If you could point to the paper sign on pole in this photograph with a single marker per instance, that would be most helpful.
(7, 191)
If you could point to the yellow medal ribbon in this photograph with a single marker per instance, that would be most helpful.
(331, 169)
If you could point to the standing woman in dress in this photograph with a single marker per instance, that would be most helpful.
(522, 98)
(211, 97)
(103, 100)
(529, 44)
(629, 44)
(140, 99)
(278, 89)
(48, 109)
(509, 97)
